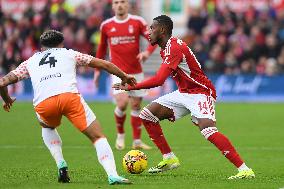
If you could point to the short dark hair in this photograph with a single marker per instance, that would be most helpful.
(166, 22)
(51, 38)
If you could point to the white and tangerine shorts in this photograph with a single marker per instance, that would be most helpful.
(70, 105)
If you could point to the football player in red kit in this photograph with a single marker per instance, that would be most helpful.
(196, 95)
(121, 34)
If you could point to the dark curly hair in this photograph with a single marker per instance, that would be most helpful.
(165, 22)
(51, 38)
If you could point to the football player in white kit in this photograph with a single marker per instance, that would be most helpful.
(53, 75)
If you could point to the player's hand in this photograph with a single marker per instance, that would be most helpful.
(8, 104)
(119, 86)
(97, 78)
(128, 79)
(143, 56)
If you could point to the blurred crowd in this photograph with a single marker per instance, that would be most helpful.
(223, 41)
(251, 42)
(19, 38)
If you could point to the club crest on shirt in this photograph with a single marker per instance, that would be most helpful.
(130, 29)
(114, 40)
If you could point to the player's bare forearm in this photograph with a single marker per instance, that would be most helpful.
(8, 79)
(108, 66)
(4, 93)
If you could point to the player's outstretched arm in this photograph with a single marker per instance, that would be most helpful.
(101, 52)
(152, 82)
(113, 69)
(8, 79)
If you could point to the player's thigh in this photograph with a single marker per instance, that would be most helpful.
(121, 100)
(78, 111)
(172, 101)
(202, 108)
(48, 113)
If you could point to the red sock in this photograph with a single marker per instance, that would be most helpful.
(120, 123)
(136, 123)
(227, 149)
(156, 134)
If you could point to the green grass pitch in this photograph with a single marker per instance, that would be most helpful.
(256, 130)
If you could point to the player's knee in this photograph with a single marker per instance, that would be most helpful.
(94, 131)
(147, 115)
(122, 105)
(121, 101)
(204, 123)
(135, 105)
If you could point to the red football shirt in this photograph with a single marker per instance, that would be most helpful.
(187, 71)
(123, 37)
(180, 63)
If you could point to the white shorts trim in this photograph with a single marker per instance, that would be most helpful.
(39, 119)
(182, 104)
(135, 93)
(90, 116)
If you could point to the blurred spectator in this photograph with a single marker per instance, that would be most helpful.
(247, 66)
(19, 37)
(197, 21)
(251, 41)
(271, 67)
(246, 42)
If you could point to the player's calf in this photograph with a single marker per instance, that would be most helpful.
(228, 150)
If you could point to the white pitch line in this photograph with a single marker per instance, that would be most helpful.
(37, 147)
(266, 148)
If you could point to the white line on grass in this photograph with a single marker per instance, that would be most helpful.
(267, 148)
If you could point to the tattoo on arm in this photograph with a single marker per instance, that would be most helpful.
(8, 79)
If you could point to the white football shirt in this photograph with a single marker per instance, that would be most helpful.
(52, 72)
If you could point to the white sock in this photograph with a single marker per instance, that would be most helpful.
(105, 156)
(120, 136)
(243, 167)
(169, 155)
(119, 112)
(53, 142)
(135, 113)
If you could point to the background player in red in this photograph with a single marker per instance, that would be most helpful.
(196, 95)
(122, 34)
